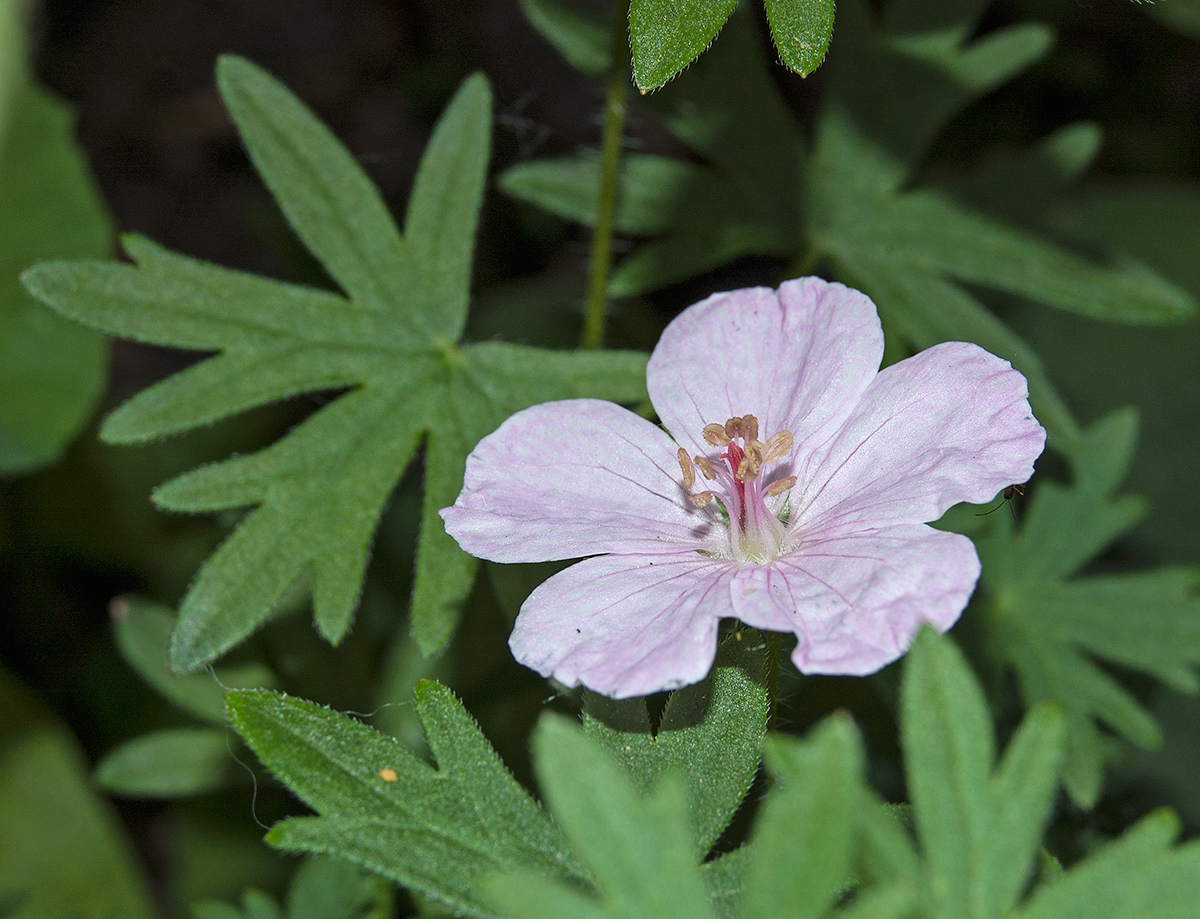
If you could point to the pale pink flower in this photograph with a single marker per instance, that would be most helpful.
(791, 493)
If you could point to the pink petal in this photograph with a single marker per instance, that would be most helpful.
(575, 478)
(950, 424)
(798, 359)
(625, 626)
(856, 602)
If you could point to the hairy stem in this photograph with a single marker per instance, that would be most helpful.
(774, 643)
(610, 170)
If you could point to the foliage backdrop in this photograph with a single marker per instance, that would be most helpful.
(1030, 187)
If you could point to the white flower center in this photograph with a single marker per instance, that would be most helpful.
(756, 534)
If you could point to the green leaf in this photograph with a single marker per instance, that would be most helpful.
(62, 848)
(328, 200)
(802, 30)
(802, 837)
(435, 829)
(255, 905)
(928, 231)
(1049, 624)
(52, 373)
(979, 830)
(14, 18)
(579, 34)
(1181, 15)
(710, 732)
(926, 310)
(142, 633)
(895, 85)
(637, 846)
(749, 199)
(326, 888)
(317, 494)
(1016, 185)
(650, 187)
(667, 35)
(173, 763)
(1137, 875)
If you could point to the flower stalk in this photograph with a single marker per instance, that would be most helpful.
(615, 95)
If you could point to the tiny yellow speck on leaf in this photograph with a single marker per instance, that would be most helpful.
(388, 775)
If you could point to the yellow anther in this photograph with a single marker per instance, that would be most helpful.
(733, 428)
(706, 467)
(703, 499)
(749, 428)
(779, 487)
(778, 445)
(689, 471)
(751, 463)
(715, 435)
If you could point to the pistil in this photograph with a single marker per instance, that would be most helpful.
(755, 533)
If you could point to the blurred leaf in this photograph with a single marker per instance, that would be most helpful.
(1048, 623)
(1181, 15)
(319, 491)
(434, 829)
(748, 200)
(803, 834)
(894, 85)
(327, 888)
(255, 905)
(667, 35)
(142, 631)
(637, 845)
(710, 732)
(569, 187)
(62, 850)
(802, 30)
(1137, 875)
(52, 372)
(1016, 185)
(579, 35)
(1102, 368)
(173, 763)
(979, 823)
(13, 22)
(1156, 222)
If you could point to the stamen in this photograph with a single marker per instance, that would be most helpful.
(733, 428)
(706, 467)
(778, 446)
(689, 472)
(744, 473)
(703, 499)
(715, 435)
(779, 487)
(749, 428)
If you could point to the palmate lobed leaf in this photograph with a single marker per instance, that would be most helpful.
(895, 83)
(979, 823)
(318, 492)
(1049, 623)
(980, 827)
(710, 732)
(435, 828)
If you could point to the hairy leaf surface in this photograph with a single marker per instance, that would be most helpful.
(391, 336)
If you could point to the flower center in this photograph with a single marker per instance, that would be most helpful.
(756, 533)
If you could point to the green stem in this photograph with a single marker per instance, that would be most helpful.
(774, 644)
(610, 171)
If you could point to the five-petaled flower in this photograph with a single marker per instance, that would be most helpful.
(794, 495)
